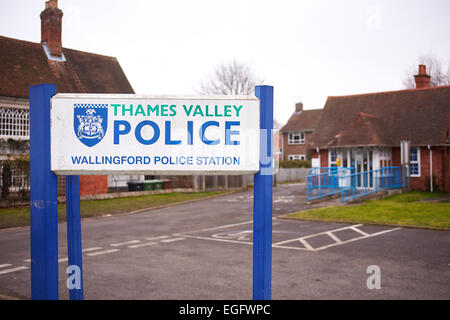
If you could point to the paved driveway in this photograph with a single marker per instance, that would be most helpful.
(202, 250)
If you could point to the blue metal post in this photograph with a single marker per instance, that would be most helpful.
(262, 203)
(43, 198)
(74, 232)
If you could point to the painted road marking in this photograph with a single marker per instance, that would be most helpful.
(158, 238)
(97, 253)
(5, 265)
(142, 245)
(239, 236)
(63, 260)
(124, 243)
(27, 260)
(13, 270)
(306, 244)
(187, 234)
(91, 249)
(332, 236)
(358, 238)
(359, 231)
(283, 244)
(172, 240)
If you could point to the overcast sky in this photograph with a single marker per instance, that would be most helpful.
(307, 50)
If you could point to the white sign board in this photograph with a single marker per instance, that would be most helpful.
(117, 133)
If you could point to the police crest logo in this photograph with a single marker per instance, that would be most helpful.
(90, 122)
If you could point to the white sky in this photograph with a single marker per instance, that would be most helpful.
(307, 50)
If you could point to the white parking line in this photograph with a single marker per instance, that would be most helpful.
(91, 249)
(97, 253)
(5, 265)
(332, 236)
(124, 243)
(285, 244)
(172, 240)
(158, 238)
(13, 270)
(355, 239)
(306, 244)
(359, 231)
(142, 245)
(337, 241)
(219, 227)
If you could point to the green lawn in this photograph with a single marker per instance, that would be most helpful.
(16, 217)
(402, 209)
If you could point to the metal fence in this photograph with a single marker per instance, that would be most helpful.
(325, 181)
(14, 182)
(328, 181)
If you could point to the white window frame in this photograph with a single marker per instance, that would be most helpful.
(331, 162)
(296, 157)
(14, 123)
(300, 140)
(415, 162)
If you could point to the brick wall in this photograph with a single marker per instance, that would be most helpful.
(446, 168)
(93, 185)
(440, 170)
(289, 149)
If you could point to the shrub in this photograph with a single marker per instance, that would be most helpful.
(295, 164)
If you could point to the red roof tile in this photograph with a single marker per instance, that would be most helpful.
(23, 64)
(385, 118)
(303, 121)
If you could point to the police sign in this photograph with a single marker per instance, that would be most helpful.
(105, 133)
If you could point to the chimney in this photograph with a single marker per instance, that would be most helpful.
(422, 79)
(298, 107)
(51, 22)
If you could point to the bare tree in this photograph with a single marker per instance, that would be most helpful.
(232, 78)
(439, 72)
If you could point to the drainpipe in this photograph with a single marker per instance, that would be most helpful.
(431, 168)
(317, 150)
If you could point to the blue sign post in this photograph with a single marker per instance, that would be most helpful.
(43, 184)
(43, 198)
(262, 200)
(43, 205)
(74, 235)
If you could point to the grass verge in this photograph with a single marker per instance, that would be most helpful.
(403, 209)
(17, 217)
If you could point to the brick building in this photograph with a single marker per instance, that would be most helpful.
(296, 133)
(23, 64)
(364, 131)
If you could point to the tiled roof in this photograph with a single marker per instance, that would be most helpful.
(385, 118)
(23, 64)
(306, 120)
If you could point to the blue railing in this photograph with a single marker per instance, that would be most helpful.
(322, 182)
(325, 181)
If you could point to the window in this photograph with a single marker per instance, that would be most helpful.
(333, 157)
(14, 123)
(296, 138)
(414, 162)
(296, 157)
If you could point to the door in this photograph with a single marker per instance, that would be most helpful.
(363, 163)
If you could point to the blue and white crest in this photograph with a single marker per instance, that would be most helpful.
(90, 122)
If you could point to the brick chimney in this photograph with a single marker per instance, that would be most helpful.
(298, 107)
(422, 79)
(51, 23)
